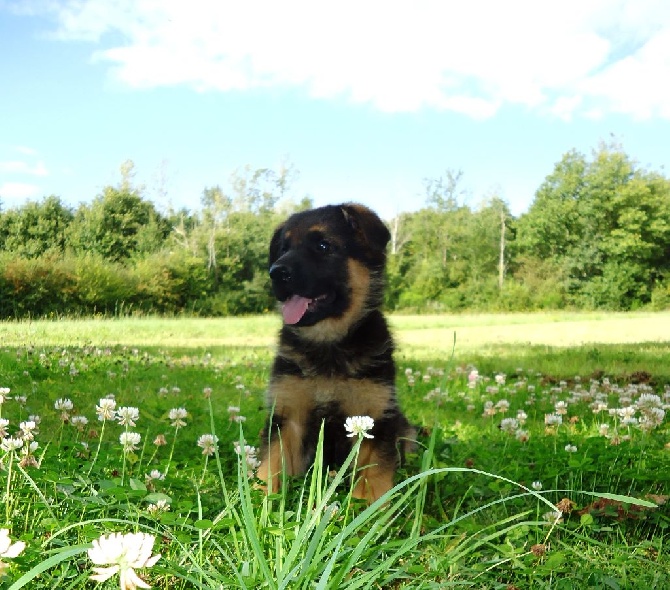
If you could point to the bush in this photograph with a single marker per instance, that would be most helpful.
(102, 286)
(660, 296)
(37, 287)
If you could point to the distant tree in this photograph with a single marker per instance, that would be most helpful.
(217, 208)
(445, 192)
(35, 228)
(257, 190)
(606, 222)
(486, 239)
(119, 224)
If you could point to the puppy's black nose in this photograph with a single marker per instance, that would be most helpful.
(280, 273)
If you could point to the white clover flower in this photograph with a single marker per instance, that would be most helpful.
(127, 415)
(4, 394)
(561, 407)
(155, 474)
(522, 435)
(106, 410)
(233, 410)
(208, 442)
(239, 419)
(536, 485)
(500, 378)
(30, 447)
(10, 444)
(359, 426)
(130, 441)
(502, 406)
(8, 549)
(27, 430)
(570, 448)
(28, 454)
(553, 517)
(603, 429)
(648, 401)
(79, 422)
(627, 412)
(122, 554)
(21, 399)
(521, 416)
(250, 455)
(598, 406)
(489, 410)
(64, 404)
(652, 418)
(158, 507)
(509, 425)
(4, 423)
(553, 419)
(177, 417)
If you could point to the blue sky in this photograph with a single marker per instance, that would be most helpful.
(366, 99)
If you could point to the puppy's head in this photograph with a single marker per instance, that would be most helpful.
(327, 264)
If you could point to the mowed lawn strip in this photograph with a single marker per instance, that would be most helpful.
(421, 335)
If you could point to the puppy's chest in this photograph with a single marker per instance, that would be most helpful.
(353, 397)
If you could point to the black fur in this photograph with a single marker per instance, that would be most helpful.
(333, 257)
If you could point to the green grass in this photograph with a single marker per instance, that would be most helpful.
(464, 512)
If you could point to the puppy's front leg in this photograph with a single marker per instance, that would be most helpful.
(374, 471)
(282, 452)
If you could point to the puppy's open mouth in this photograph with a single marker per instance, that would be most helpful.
(296, 306)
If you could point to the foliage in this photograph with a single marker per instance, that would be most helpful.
(606, 224)
(596, 236)
(36, 229)
(449, 522)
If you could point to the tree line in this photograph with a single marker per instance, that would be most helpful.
(596, 236)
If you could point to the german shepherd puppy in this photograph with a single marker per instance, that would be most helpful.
(335, 354)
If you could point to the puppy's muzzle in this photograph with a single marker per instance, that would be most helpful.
(280, 273)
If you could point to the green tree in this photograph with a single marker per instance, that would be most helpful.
(36, 228)
(606, 223)
(119, 224)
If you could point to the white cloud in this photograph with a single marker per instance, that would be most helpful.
(565, 58)
(17, 191)
(20, 167)
(26, 151)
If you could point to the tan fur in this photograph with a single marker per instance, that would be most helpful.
(286, 453)
(375, 477)
(333, 329)
(294, 397)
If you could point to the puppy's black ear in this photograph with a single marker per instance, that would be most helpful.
(370, 229)
(275, 245)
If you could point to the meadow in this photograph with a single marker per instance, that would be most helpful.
(543, 459)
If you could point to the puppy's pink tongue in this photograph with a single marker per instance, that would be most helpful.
(294, 308)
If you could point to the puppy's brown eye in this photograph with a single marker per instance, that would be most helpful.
(324, 246)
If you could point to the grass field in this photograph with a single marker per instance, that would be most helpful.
(418, 335)
(520, 416)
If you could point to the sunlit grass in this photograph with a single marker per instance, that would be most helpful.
(465, 513)
(423, 335)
